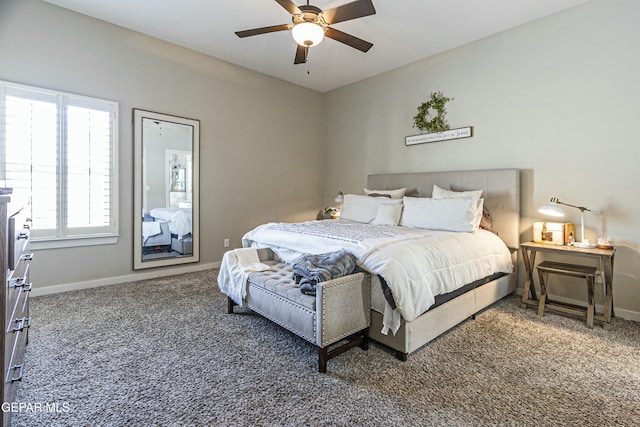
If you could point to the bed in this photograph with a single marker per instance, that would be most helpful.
(416, 293)
(156, 236)
(175, 229)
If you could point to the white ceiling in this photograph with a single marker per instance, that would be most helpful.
(402, 31)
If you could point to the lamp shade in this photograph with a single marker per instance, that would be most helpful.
(307, 34)
(552, 209)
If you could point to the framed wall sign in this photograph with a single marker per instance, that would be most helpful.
(466, 132)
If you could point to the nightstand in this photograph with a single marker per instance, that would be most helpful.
(604, 256)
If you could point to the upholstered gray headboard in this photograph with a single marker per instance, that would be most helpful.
(500, 189)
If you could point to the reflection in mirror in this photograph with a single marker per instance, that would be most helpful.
(166, 218)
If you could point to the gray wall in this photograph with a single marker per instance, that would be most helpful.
(254, 166)
(558, 98)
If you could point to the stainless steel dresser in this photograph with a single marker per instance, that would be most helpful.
(15, 259)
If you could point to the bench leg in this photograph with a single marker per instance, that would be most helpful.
(365, 339)
(230, 304)
(322, 359)
(359, 339)
(401, 356)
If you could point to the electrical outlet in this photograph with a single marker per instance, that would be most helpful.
(226, 243)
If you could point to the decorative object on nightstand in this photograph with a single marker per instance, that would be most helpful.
(549, 232)
(340, 197)
(557, 233)
(605, 243)
(331, 212)
(552, 209)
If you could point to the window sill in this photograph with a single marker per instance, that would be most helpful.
(73, 242)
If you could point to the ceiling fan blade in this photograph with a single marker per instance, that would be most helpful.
(301, 54)
(263, 30)
(346, 12)
(348, 39)
(291, 7)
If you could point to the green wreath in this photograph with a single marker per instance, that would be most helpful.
(436, 104)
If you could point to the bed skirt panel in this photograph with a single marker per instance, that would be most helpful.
(413, 335)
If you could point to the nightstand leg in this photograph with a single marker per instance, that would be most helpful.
(608, 298)
(591, 306)
(529, 287)
(543, 275)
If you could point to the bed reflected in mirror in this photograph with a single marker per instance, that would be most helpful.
(166, 220)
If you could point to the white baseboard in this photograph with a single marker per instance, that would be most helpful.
(618, 312)
(148, 274)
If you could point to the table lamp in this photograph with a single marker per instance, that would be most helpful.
(552, 209)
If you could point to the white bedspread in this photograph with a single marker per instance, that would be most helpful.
(150, 228)
(179, 219)
(163, 213)
(180, 223)
(417, 264)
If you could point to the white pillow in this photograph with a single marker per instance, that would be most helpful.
(441, 193)
(388, 214)
(453, 214)
(363, 208)
(395, 194)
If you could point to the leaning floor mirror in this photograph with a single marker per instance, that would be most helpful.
(166, 190)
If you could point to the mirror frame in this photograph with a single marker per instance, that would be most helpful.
(138, 263)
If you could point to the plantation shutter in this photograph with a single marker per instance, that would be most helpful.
(89, 155)
(31, 154)
(60, 149)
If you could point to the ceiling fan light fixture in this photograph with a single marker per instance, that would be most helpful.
(308, 34)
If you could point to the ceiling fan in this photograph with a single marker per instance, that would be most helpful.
(311, 24)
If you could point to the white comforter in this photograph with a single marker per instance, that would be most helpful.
(179, 219)
(417, 264)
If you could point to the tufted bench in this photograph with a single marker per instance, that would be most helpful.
(339, 313)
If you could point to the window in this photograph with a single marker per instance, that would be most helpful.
(61, 149)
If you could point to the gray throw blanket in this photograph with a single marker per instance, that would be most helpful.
(309, 270)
